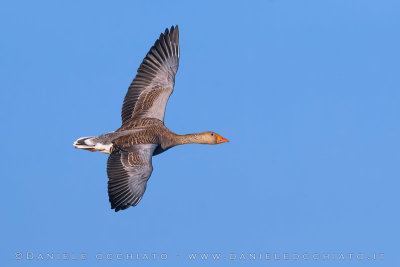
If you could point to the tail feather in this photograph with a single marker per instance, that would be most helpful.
(93, 144)
(85, 143)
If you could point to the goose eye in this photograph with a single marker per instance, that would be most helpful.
(212, 134)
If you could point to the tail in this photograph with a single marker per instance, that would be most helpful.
(92, 144)
(85, 143)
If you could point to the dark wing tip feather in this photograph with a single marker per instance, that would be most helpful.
(169, 36)
(175, 34)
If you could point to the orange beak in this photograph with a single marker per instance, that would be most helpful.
(220, 140)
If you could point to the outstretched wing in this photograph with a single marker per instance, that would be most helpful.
(128, 172)
(148, 93)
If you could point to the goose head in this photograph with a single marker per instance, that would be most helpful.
(211, 138)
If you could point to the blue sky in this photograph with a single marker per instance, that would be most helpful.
(306, 91)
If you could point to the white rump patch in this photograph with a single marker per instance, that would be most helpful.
(103, 148)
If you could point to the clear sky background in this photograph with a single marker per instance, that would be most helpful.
(307, 91)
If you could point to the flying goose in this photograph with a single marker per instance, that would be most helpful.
(143, 133)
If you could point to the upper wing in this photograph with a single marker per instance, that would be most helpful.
(128, 172)
(148, 93)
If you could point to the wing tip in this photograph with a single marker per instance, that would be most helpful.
(124, 206)
(173, 33)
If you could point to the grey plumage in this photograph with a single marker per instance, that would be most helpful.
(155, 79)
(128, 171)
(143, 133)
(147, 97)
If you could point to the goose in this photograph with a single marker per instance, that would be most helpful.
(143, 134)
